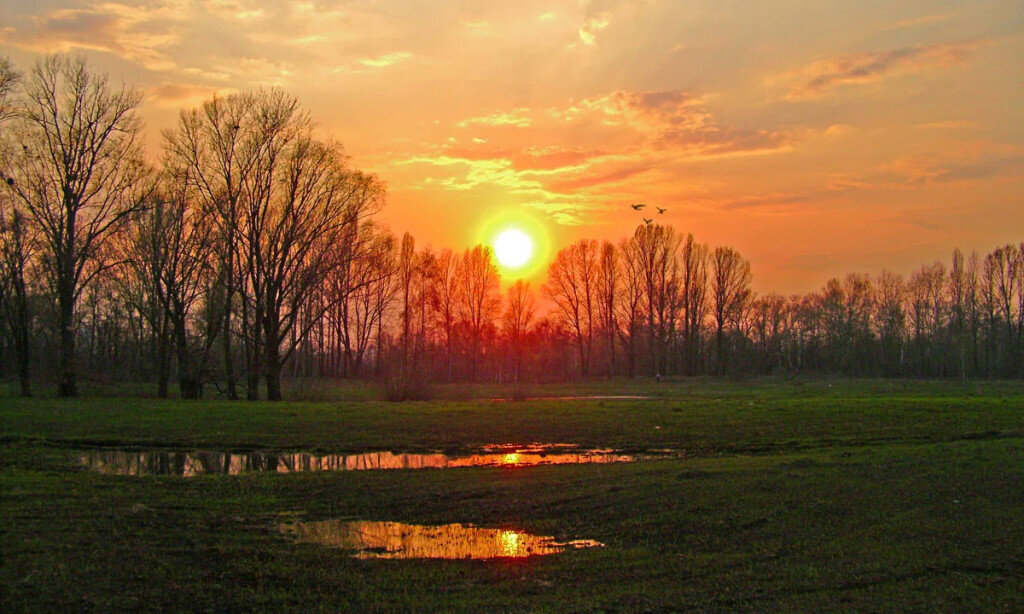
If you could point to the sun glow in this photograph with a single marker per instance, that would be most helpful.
(519, 242)
(513, 248)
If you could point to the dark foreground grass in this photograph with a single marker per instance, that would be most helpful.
(905, 501)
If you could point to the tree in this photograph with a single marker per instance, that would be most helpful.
(479, 301)
(516, 322)
(446, 298)
(730, 291)
(607, 288)
(655, 250)
(10, 79)
(572, 286)
(80, 174)
(694, 289)
(18, 243)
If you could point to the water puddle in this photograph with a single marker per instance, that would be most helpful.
(592, 397)
(396, 540)
(188, 464)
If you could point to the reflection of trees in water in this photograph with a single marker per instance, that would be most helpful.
(451, 541)
(138, 463)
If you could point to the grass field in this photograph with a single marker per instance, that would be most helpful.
(787, 496)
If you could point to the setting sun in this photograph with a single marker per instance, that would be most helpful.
(513, 248)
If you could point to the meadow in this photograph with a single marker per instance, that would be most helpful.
(795, 495)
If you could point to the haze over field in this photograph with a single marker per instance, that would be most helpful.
(816, 137)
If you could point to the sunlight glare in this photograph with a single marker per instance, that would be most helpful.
(513, 248)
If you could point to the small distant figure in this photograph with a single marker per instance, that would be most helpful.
(638, 206)
(648, 221)
(661, 209)
(657, 377)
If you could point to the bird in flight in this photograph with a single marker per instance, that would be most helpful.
(661, 209)
(648, 221)
(638, 206)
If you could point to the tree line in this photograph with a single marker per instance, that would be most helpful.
(250, 253)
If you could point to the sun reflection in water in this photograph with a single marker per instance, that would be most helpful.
(397, 540)
(165, 462)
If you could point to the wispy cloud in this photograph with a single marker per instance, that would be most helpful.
(108, 27)
(818, 78)
(518, 118)
(178, 94)
(593, 25)
(674, 119)
(388, 59)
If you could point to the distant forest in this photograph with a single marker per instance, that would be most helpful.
(250, 253)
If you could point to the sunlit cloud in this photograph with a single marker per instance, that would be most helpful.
(818, 78)
(388, 59)
(114, 28)
(674, 119)
(593, 25)
(917, 21)
(518, 118)
(181, 95)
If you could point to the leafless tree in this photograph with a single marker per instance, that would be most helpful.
(694, 290)
(19, 241)
(479, 301)
(730, 290)
(629, 302)
(607, 289)
(518, 316)
(572, 286)
(80, 174)
(446, 288)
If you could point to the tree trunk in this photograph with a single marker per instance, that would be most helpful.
(67, 386)
(163, 358)
(272, 363)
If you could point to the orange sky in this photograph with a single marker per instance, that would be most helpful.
(817, 137)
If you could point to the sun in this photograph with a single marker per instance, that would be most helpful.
(513, 248)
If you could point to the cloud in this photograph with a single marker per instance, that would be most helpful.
(554, 157)
(179, 95)
(593, 25)
(820, 77)
(518, 118)
(592, 153)
(122, 30)
(389, 59)
(674, 119)
(916, 21)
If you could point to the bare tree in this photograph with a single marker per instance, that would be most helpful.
(694, 290)
(572, 286)
(629, 302)
(295, 223)
(607, 288)
(362, 290)
(730, 288)
(217, 147)
(516, 322)
(18, 243)
(446, 289)
(479, 301)
(79, 173)
(10, 80)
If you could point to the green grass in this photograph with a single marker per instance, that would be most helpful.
(793, 496)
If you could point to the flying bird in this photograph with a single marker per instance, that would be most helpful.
(648, 221)
(661, 209)
(638, 206)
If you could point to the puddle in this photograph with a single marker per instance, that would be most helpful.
(594, 397)
(396, 540)
(188, 464)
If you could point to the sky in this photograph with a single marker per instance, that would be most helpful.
(817, 137)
